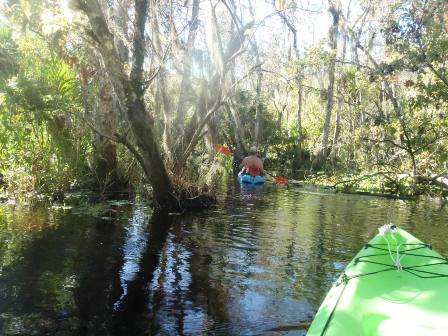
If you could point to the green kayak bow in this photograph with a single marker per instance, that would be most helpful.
(396, 285)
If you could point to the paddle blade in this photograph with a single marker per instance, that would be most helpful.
(281, 180)
(223, 150)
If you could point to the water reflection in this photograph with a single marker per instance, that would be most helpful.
(260, 263)
(251, 191)
(133, 248)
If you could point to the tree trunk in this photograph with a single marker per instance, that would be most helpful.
(351, 147)
(299, 126)
(185, 86)
(238, 126)
(257, 137)
(233, 106)
(164, 102)
(337, 131)
(322, 154)
(256, 140)
(167, 134)
(106, 150)
(212, 105)
(337, 125)
(130, 91)
(211, 136)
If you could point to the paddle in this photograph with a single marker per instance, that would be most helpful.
(223, 150)
(278, 179)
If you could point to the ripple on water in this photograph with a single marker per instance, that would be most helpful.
(259, 264)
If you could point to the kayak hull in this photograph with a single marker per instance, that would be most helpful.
(372, 297)
(247, 179)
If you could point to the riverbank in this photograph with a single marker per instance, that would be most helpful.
(382, 184)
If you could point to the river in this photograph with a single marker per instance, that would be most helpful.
(259, 263)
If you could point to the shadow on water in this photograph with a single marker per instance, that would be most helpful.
(258, 264)
(96, 266)
(43, 289)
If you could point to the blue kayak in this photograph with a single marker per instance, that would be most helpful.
(251, 179)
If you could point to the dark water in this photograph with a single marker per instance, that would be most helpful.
(258, 264)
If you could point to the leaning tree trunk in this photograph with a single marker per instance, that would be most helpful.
(130, 91)
(333, 38)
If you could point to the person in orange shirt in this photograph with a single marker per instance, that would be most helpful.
(252, 164)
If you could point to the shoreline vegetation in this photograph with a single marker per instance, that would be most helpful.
(401, 186)
(165, 97)
(379, 184)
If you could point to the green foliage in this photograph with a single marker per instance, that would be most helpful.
(41, 147)
(283, 148)
(418, 37)
(377, 133)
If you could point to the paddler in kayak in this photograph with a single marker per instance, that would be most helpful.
(252, 164)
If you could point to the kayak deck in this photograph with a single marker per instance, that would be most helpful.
(251, 179)
(373, 298)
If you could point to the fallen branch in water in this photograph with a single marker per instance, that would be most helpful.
(439, 180)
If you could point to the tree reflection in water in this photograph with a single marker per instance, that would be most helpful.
(258, 264)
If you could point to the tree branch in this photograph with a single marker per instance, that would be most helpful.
(388, 141)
